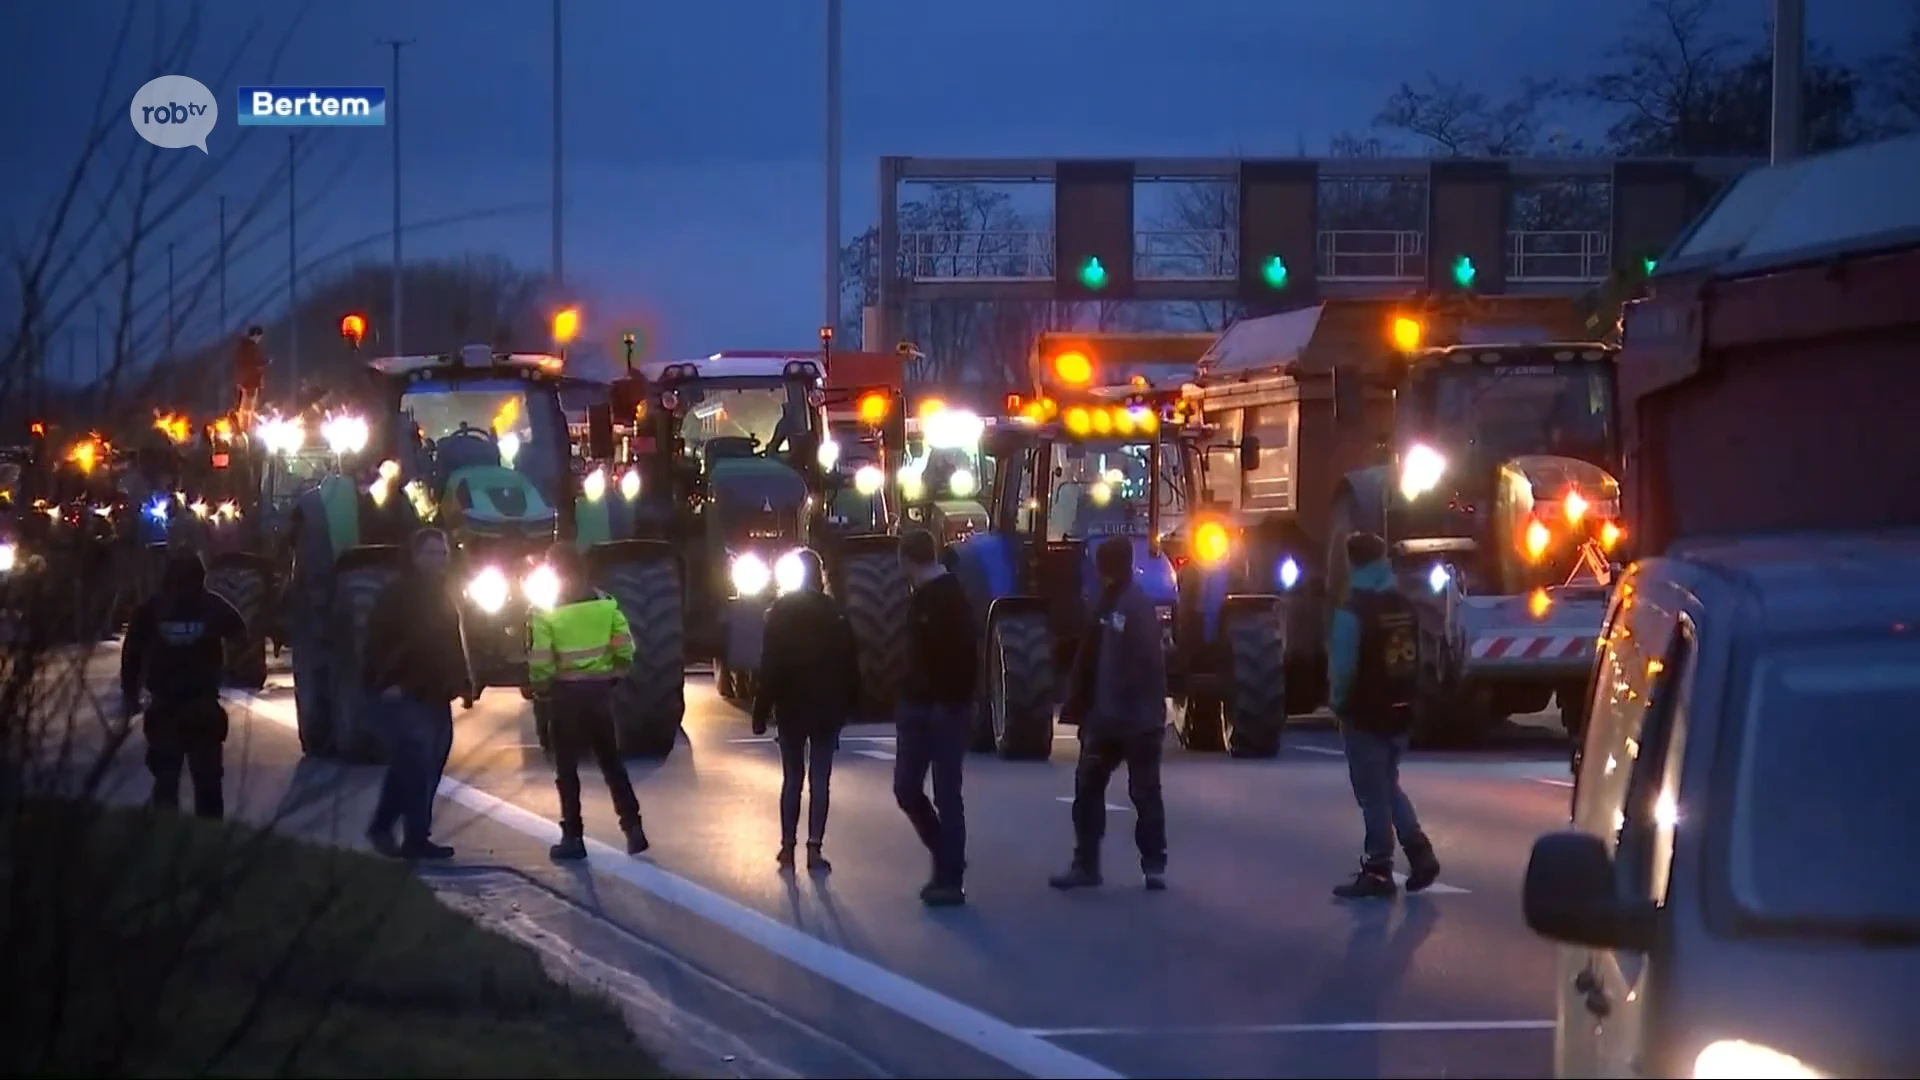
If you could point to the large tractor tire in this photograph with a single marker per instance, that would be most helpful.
(650, 702)
(243, 581)
(872, 590)
(357, 585)
(313, 689)
(1019, 678)
(1256, 714)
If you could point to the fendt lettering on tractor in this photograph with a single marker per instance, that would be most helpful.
(1501, 511)
(476, 443)
(1102, 451)
(739, 476)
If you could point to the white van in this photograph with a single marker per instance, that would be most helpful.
(1738, 894)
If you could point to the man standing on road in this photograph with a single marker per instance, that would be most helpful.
(809, 682)
(415, 664)
(577, 652)
(174, 649)
(1118, 698)
(1372, 676)
(249, 376)
(935, 721)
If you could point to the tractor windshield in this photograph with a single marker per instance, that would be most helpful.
(738, 415)
(1505, 410)
(1101, 488)
(506, 423)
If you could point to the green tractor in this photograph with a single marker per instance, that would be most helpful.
(738, 475)
(475, 443)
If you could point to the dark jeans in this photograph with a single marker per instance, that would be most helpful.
(583, 725)
(1373, 765)
(934, 739)
(193, 738)
(808, 760)
(419, 736)
(1100, 756)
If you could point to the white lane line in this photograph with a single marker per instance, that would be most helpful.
(1326, 750)
(1435, 889)
(877, 755)
(1360, 1028)
(964, 1024)
(1068, 799)
(1551, 781)
(763, 740)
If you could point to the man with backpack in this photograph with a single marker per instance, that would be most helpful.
(1372, 675)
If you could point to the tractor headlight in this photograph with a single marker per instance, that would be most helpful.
(1438, 577)
(912, 483)
(542, 587)
(962, 483)
(630, 484)
(749, 574)
(1210, 542)
(829, 453)
(1289, 573)
(867, 479)
(9, 557)
(489, 590)
(1420, 470)
(345, 434)
(789, 572)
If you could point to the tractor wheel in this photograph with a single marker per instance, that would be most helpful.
(1200, 726)
(1020, 686)
(873, 592)
(650, 702)
(1257, 713)
(355, 735)
(245, 587)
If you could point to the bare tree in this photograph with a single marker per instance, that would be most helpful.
(1895, 77)
(1454, 120)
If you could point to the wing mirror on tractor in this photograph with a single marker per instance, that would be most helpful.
(600, 432)
(1249, 453)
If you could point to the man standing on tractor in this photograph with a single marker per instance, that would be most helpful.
(578, 651)
(249, 376)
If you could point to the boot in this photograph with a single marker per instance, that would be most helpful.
(816, 862)
(1078, 876)
(1423, 867)
(637, 842)
(571, 848)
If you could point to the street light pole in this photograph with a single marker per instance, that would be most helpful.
(293, 268)
(832, 309)
(222, 272)
(1789, 78)
(559, 190)
(393, 121)
(172, 311)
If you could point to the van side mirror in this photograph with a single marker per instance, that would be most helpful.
(1570, 895)
(1249, 453)
(600, 432)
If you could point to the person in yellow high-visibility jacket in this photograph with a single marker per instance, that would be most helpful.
(576, 652)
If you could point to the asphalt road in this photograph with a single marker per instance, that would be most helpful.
(1245, 967)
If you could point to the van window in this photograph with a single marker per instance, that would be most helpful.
(1626, 677)
(1824, 794)
(1651, 808)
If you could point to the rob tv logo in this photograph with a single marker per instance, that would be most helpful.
(312, 106)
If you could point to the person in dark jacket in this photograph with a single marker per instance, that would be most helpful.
(1372, 676)
(175, 651)
(935, 719)
(1118, 699)
(415, 665)
(809, 682)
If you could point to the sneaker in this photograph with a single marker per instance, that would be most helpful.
(569, 849)
(940, 895)
(425, 849)
(816, 862)
(1155, 878)
(383, 843)
(1076, 876)
(1423, 869)
(1366, 886)
(785, 858)
(637, 842)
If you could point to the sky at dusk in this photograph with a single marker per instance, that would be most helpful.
(694, 148)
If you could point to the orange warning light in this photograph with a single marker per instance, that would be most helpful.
(353, 327)
(1073, 367)
(873, 407)
(1407, 333)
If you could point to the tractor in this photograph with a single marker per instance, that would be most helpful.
(940, 482)
(474, 443)
(1502, 516)
(736, 471)
(1098, 461)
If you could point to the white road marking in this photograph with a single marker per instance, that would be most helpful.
(1435, 889)
(877, 755)
(1550, 780)
(1360, 1028)
(1068, 799)
(1329, 751)
(964, 1024)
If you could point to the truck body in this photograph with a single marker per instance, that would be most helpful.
(1762, 374)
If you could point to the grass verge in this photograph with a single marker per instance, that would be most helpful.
(139, 943)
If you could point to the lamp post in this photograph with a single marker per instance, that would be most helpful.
(1789, 78)
(393, 121)
(832, 302)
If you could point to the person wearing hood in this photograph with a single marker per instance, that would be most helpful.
(577, 652)
(1372, 677)
(1117, 697)
(175, 651)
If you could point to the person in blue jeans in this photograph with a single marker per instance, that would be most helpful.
(934, 724)
(1372, 676)
(415, 664)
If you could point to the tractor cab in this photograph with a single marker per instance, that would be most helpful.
(942, 473)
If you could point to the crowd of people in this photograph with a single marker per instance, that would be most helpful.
(415, 669)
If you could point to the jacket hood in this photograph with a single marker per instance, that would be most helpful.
(1376, 576)
(185, 573)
